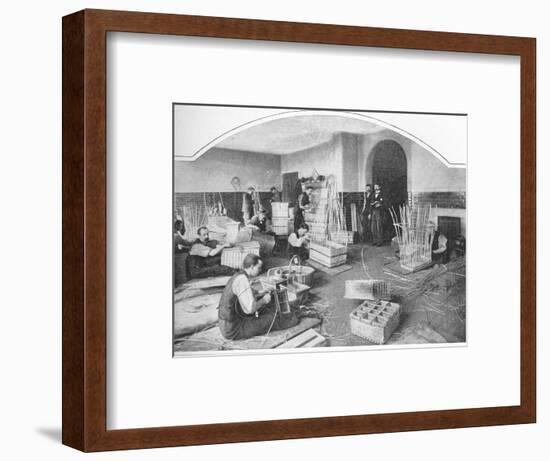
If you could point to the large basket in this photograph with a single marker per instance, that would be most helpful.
(279, 209)
(234, 257)
(282, 226)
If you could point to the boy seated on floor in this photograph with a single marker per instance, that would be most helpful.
(205, 256)
(259, 221)
(439, 245)
(298, 242)
(242, 313)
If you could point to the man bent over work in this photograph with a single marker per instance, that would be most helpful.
(241, 314)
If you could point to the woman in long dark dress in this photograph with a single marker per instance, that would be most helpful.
(301, 207)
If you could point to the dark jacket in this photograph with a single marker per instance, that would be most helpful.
(230, 311)
(367, 205)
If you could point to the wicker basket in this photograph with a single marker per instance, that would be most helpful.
(342, 237)
(282, 226)
(279, 209)
(375, 321)
(368, 289)
(234, 257)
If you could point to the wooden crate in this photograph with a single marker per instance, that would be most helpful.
(375, 321)
(234, 257)
(309, 338)
(329, 248)
(327, 261)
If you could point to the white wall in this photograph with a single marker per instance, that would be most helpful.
(213, 171)
(428, 174)
(326, 158)
(425, 172)
(30, 185)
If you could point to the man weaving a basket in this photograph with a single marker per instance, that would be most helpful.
(244, 313)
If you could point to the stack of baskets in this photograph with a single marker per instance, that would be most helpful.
(316, 218)
(281, 221)
(343, 237)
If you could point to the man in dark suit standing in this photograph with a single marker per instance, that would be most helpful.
(366, 214)
(378, 207)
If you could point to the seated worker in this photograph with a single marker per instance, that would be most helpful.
(205, 256)
(180, 244)
(262, 233)
(439, 245)
(298, 242)
(260, 220)
(242, 313)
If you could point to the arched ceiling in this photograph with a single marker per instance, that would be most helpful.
(198, 129)
(284, 136)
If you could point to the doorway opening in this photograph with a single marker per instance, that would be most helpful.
(389, 170)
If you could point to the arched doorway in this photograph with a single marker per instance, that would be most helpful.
(389, 169)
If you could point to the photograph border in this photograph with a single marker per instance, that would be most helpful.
(201, 354)
(84, 355)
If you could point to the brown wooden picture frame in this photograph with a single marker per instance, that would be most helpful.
(85, 223)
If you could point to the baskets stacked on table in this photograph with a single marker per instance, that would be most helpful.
(316, 217)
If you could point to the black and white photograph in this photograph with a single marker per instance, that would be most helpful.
(299, 228)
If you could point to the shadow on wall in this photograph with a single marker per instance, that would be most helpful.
(51, 433)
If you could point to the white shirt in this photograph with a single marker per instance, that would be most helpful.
(199, 249)
(242, 289)
(296, 241)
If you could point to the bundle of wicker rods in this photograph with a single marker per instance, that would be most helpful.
(194, 216)
(413, 235)
(335, 218)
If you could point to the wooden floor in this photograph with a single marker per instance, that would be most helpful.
(432, 300)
